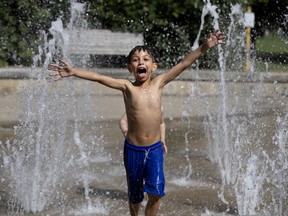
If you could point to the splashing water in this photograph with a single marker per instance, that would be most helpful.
(43, 153)
(208, 8)
(246, 165)
(49, 148)
(40, 138)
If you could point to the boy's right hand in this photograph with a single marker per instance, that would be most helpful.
(62, 70)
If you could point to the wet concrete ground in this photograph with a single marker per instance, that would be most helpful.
(192, 194)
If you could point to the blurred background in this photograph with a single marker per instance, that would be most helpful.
(168, 26)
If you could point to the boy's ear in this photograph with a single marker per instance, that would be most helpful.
(129, 68)
(155, 66)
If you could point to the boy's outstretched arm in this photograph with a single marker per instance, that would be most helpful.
(213, 39)
(64, 70)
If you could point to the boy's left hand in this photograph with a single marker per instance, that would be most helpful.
(215, 38)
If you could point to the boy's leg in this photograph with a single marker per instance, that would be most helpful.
(134, 208)
(134, 174)
(152, 206)
(154, 180)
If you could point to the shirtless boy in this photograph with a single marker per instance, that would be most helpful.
(123, 124)
(143, 151)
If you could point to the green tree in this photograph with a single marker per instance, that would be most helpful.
(167, 25)
(20, 24)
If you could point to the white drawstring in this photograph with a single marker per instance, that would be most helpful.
(146, 155)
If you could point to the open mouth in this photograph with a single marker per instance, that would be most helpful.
(141, 70)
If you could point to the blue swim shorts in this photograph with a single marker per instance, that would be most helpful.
(144, 170)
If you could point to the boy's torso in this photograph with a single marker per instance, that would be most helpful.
(143, 108)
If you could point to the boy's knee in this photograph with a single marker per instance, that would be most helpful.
(153, 198)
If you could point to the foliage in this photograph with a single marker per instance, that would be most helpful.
(20, 23)
(167, 25)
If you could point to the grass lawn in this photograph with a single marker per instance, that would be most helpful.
(272, 43)
(275, 49)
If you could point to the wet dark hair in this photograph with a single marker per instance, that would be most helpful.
(141, 48)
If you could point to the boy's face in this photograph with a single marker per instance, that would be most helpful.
(141, 65)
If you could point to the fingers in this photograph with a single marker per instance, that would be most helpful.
(53, 67)
(56, 75)
(58, 67)
(57, 78)
(218, 31)
(64, 63)
(53, 74)
(220, 36)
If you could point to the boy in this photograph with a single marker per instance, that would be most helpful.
(123, 124)
(143, 152)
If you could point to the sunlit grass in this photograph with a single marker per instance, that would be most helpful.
(272, 43)
(275, 49)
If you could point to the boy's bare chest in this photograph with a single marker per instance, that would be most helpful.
(145, 97)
